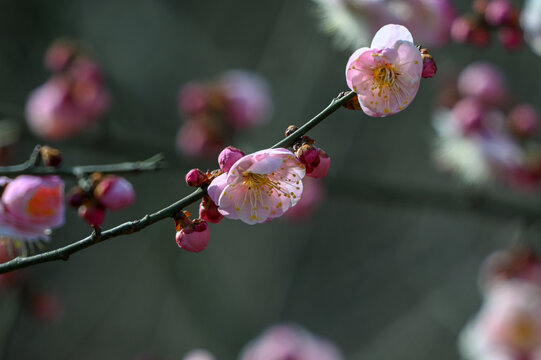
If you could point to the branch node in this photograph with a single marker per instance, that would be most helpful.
(96, 234)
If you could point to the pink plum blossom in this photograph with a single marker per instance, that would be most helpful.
(483, 81)
(193, 238)
(114, 192)
(286, 342)
(387, 75)
(508, 326)
(68, 103)
(31, 205)
(259, 187)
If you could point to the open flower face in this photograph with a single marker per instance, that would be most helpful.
(31, 205)
(387, 75)
(259, 187)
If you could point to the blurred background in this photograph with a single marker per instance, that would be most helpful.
(386, 267)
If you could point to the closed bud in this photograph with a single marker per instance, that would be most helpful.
(195, 178)
(94, 215)
(291, 129)
(510, 37)
(228, 157)
(50, 156)
(429, 65)
(114, 192)
(76, 196)
(193, 238)
(322, 168)
(307, 154)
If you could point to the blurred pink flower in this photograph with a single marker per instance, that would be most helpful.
(194, 237)
(523, 120)
(114, 192)
(287, 342)
(247, 98)
(483, 81)
(387, 75)
(238, 100)
(508, 326)
(68, 103)
(352, 21)
(259, 187)
(195, 140)
(30, 206)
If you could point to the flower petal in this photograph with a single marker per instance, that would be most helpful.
(387, 36)
(216, 187)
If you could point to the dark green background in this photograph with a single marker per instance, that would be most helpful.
(383, 278)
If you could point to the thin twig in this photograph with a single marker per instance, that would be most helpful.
(137, 225)
(29, 167)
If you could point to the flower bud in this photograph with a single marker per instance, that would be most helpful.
(76, 196)
(228, 157)
(461, 30)
(195, 237)
(114, 192)
(50, 156)
(59, 55)
(429, 65)
(510, 37)
(208, 211)
(291, 129)
(322, 168)
(307, 154)
(196, 178)
(94, 215)
(523, 120)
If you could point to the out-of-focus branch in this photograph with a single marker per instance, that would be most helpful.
(137, 225)
(32, 167)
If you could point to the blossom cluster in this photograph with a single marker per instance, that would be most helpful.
(238, 100)
(354, 21)
(281, 342)
(99, 194)
(72, 99)
(489, 15)
(482, 136)
(262, 186)
(508, 325)
(254, 188)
